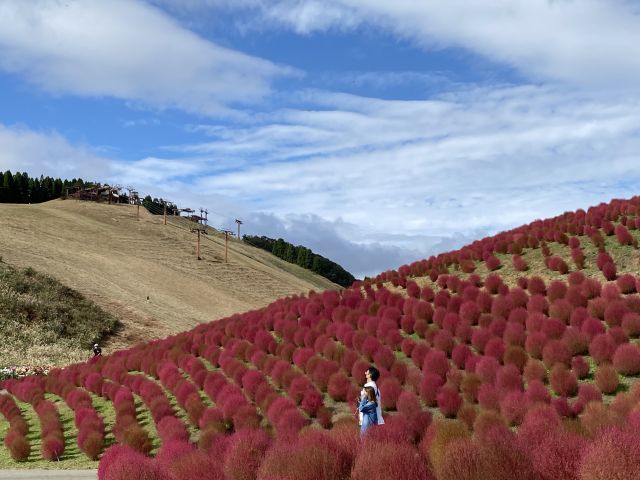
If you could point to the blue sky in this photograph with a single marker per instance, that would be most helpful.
(374, 132)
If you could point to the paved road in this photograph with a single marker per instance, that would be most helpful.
(48, 474)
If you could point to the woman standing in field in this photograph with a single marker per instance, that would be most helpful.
(369, 408)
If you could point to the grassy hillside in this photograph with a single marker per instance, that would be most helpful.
(112, 259)
(42, 322)
(517, 355)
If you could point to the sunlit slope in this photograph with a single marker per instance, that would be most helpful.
(104, 252)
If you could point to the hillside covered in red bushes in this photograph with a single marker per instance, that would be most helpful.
(515, 355)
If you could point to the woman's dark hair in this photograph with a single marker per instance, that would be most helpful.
(375, 374)
(371, 394)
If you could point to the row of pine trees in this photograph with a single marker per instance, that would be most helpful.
(303, 257)
(21, 188)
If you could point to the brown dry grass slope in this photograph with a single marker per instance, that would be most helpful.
(106, 254)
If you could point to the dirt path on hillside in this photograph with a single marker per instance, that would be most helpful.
(144, 272)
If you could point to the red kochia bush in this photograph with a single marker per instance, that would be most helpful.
(390, 390)
(436, 362)
(121, 462)
(245, 454)
(513, 407)
(492, 262)
(614, 312)
(631, 324)
(563, 381)
(602, 348)
(172, 428)
(609, 271)
(388, 460)
(18, 445)
(607, 378)
(580, 367)
(626, 359)
(449, 401)
(487, 369)
(626, 283)
(338, 386)
(613, 455)
(397, 429)
(305, 460)
(556, 351)
(519, 263)
(429, 387)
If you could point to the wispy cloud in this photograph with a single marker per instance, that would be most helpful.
(586, 42)
(49, 153)
(482, 158)
(126, 50)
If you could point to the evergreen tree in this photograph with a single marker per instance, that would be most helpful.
(290, 254)
(8, 187)
(57, 188)
(279, 248)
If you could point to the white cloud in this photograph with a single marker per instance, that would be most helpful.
(338, 241)
(483, 159)
(127, 50)
(49, 153)
(592, 42)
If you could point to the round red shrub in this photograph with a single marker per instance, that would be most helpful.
(614, 312)
(576, 341)
(495, 348)
(245, 454)
(553, 328)
(609, 271)
(419, 352)
(479, 338)
(626, 283)
(492, 283)
(626, 359)
(613, 454)
(120, 462)
(536, 393)
(589, 393)
(536, 286)
(513, 407)
(449, 401)
(508, 378)
(606, 378)
(534, 370)
(52, 447)
(515, 356)
(519, 263)
(602, 348)
(535, 343)
(388, 460)
(631, 324)
(514, 334)
(312, 401)
(18, 446)
(492, 262)
(580, 367)
(592, 327)
(436, 362)
(556, 290)
(487, 369)
(555, 351)
(443, 341)
(563, 381)
(429, 387)
(397, 429)
(489, 397)
(390, 390)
